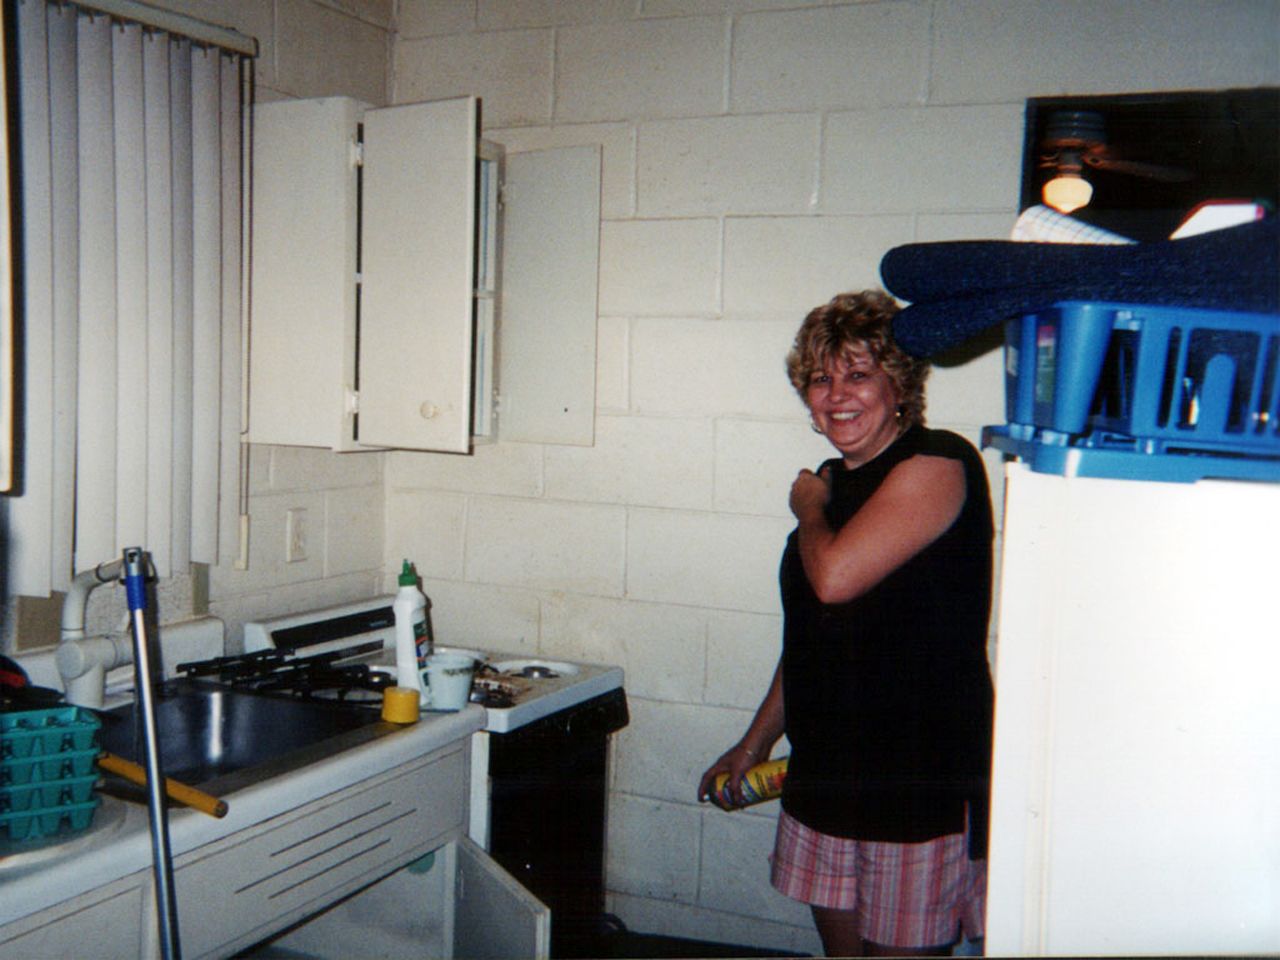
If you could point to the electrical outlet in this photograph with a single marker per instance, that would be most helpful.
(295, 535)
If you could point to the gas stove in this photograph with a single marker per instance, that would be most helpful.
(347, 652)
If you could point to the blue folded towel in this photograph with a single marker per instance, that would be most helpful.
(957, 289)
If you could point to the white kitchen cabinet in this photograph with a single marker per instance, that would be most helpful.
(456, 902)
(302, 317)
(286, 868)
(378, 868)
(551, 237)
(378, 309)
(109, 918)
(304, 867)
(418, 230)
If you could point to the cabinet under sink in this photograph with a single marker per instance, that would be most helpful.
(382, 860)
(310, 866)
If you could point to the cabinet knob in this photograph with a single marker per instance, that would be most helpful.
(428, 410)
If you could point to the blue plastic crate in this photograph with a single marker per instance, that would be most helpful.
(69, 763)
(47, 793)
(48, 771)
(1142, 392)
(48, 821)
(47, 733)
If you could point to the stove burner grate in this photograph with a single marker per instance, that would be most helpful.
(491, 690)
(320, 676)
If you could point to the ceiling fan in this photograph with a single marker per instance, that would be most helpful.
(1075, 139)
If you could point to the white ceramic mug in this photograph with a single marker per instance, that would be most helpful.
(446, 681)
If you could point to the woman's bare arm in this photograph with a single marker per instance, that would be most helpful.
(917, 502)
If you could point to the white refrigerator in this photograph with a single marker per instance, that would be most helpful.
(1136, 780)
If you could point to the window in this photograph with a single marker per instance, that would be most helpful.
(129, 184)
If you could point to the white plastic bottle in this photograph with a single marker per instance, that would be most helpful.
(410, 609)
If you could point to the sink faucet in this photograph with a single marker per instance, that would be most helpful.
(83, 661)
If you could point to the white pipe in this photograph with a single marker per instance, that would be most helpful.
(77, 599)
(83, 663)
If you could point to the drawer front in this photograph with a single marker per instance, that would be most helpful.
(109, 918)
(241, 890)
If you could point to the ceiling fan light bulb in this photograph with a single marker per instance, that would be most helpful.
(1067, 192)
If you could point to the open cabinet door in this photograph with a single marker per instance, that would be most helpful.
(417, 269)
(303, 271)
(550, 278)
(494, 916)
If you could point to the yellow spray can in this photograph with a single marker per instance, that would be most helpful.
(762, 782)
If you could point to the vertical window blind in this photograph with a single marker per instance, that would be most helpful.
(130, 185)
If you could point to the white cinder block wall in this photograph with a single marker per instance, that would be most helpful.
(759, 155)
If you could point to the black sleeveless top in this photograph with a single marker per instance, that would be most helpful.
(888, 697)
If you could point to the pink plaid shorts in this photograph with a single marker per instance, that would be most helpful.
(905, 894)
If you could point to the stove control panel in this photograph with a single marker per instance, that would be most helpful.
(324, 630)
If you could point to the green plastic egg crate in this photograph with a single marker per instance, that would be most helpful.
(48, 769)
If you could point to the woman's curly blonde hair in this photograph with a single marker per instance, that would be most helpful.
(859, 320)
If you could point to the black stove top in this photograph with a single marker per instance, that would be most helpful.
(320, 676)
(343, 674)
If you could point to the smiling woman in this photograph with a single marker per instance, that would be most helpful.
(882, 688)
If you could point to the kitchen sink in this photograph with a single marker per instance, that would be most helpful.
(222, 739)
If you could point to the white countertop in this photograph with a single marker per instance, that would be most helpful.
(119, 842)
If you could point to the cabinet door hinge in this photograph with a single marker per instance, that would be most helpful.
(356, 153)
(351, 400)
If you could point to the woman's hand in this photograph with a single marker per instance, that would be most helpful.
(765, 729)
(735, 761)
(810, 492)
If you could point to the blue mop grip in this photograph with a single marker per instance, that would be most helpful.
(135, 578)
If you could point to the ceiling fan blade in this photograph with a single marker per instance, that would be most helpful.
(1151, 171)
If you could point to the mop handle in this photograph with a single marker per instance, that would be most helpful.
(166, 902)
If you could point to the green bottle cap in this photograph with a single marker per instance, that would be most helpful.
(407, 577)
